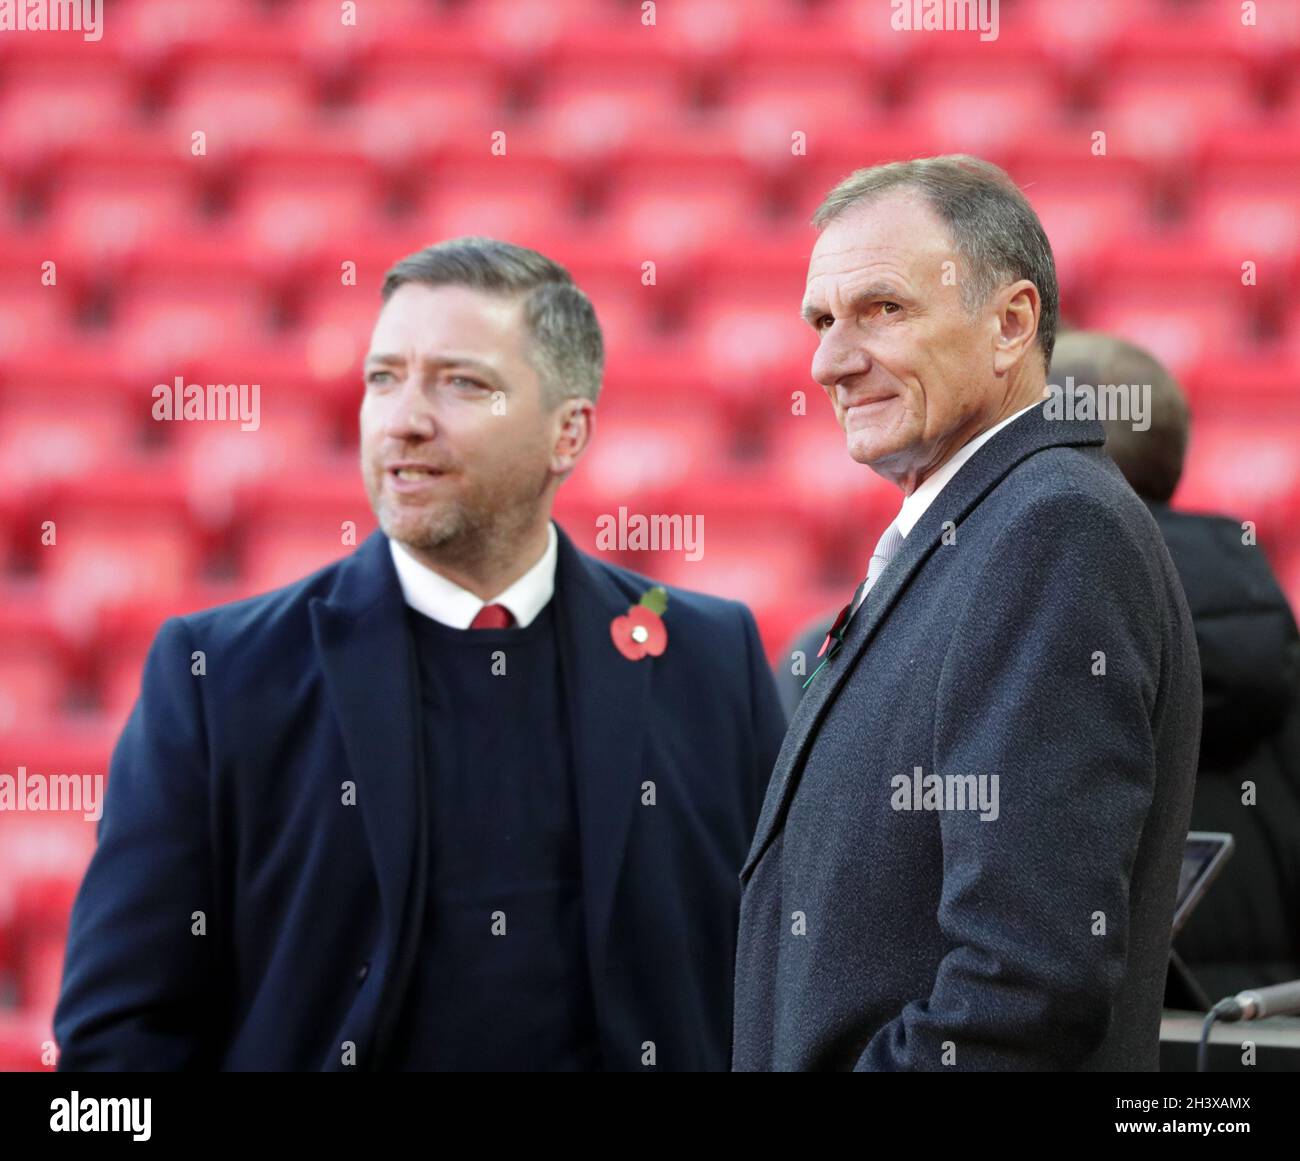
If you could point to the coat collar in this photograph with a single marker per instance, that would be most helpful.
(361, 633)
(444, 600)
(1031, 433)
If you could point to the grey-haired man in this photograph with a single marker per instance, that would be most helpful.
(969, 849)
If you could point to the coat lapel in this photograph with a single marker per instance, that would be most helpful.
(365, 653)
(1030, 433)
(606, 697)
(821, 693)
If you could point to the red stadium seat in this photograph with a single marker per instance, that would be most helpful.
(396, 29)
(220, 459)
(23, 1039)
(47, 436)
(1245, 467)
(407, 107)
(747, 554)
(647, 444)
(525, 33)
(1249, 211)
(172, 325)
(164, 30)
(1168, 110)
(1108, 37)
(1087, 207)
(751, 343)
(1291, 338)
(631, 315)
(40, 962)
(282, 35)
(12, 213)
(297, 525)
(767, 101)
(593, 108)
(34, 319)
(837, 34)
(712, 28)
(663, 211)
(810, 463)
(120, 682)
(278, 557)
(974, 107)
(48, 845)
(236, 104)
(50, 105)
(285, 211)
(706, 37)
(43, 855)
(126, 542)
(524, 200)
(104, 209)
(1091, 30)
(333, 333)
(1170, 32)
(578, 514)
(1180, 325)
(32, 682)
(1232, 385)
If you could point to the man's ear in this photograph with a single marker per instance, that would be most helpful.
(575, 421)
(1018, 310)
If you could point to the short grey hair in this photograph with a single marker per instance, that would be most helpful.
(566, 346)
(992, 224)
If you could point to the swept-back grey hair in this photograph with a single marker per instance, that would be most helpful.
(566, 346)
(993, 226)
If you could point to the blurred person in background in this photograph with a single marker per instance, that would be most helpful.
(969, 850)
(1245, 932)
(458, 801)
(792, 679)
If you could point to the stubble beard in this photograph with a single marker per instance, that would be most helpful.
(464, 531)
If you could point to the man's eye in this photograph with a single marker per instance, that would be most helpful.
(466, 381)
(378, 376)
(890, 307)
(824, 322)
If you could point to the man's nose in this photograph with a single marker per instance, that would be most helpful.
(411, 414)
(840, 354)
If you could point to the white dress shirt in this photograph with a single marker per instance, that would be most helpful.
(915, 505)
(432, 594)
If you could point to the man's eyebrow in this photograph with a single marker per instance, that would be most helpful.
(811, 311)
(453, 360)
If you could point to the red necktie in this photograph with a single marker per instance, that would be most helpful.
(492, 617)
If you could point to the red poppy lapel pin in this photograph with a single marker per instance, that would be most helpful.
(834, 639)
(642, 630)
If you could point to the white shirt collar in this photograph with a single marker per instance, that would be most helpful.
(432, 594)
(915, 505)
